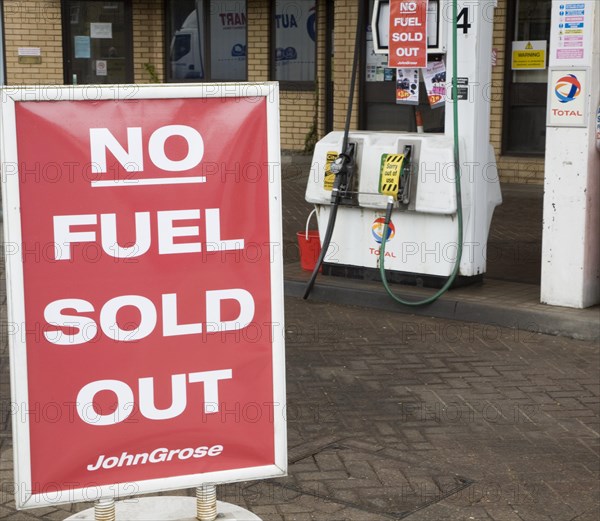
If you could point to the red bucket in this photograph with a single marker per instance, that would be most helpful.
(310, 247)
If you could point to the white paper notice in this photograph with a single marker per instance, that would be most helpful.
(571, 33)
(29, 51)
(100, 30)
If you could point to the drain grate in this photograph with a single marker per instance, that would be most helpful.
(374, 480)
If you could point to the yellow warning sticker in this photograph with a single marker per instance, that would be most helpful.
(329, 176)
(529, 54)
(389, 174)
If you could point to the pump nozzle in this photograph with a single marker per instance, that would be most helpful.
(343, 168)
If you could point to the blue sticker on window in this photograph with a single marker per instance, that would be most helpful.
(289, 53)
(238, 50)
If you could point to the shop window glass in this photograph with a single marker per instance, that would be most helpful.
(295, 29)
(525, 98)
(207, 40)
(97, 41)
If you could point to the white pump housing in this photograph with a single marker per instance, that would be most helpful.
(424, 232)
(432, 168)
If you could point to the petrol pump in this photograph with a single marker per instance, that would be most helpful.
(400, 204)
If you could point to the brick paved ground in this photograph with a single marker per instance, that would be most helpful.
(389, 414)
(392, 416)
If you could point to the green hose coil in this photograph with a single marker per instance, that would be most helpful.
(457, 176)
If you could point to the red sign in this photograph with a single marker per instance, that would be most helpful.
(149, 349)
(408, 34)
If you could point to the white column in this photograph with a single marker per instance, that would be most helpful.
(479, 174)
(571, 229)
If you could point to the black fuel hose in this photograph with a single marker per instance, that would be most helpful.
(337, 195)
(326, 243)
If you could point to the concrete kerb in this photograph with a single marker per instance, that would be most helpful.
(584, 325)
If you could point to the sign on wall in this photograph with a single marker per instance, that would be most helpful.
(145, 293)
(571, 33)
(567, 92)
(529, 55)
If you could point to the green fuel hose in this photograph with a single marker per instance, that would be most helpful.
(457, 176)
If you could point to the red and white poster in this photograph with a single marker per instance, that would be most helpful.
(434, 76)
(145, 288)
(408, 34)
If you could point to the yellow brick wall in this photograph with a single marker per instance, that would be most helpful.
(497, 90)
(511, 169)
(148, 39)
(258, 16)
(37, 23)
(297, 113)
(321, 64)
(297, 108)
(346, 12)
(33, 23)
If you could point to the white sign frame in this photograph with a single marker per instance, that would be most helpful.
(24, 497)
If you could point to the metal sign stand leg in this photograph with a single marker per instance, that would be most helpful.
(206, 503)
(104, 510)
(203, 507)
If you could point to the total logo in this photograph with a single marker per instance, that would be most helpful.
(567, 88)
(377, 230)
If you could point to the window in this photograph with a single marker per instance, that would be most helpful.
(294, 53)
(207, 40)
(97, 41)
(524, 128)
